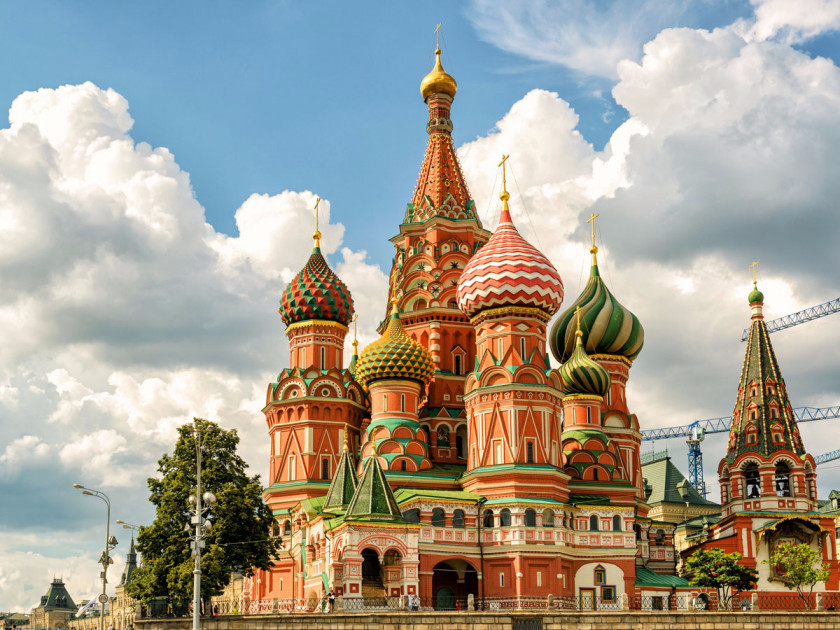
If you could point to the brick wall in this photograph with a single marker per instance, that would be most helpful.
(495, 621)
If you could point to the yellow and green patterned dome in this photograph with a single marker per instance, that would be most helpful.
(582, 375)
(394, 355)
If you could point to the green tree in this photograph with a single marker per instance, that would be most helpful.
(799, 567)
(239, 540)
(714, 568)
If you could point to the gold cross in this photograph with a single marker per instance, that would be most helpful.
(753, 266)
(355, 341)
(591, 220)
(504, 176)
(437, 35)
(317, 234)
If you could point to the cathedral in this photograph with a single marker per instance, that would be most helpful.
(453, 457)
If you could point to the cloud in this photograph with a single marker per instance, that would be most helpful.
(589, 37)
(790, 22)
(127, 314)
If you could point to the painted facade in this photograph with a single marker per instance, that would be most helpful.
(768, 480)
(451, 457)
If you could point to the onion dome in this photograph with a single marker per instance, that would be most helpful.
(438, 81)
(755, 295)
(508, 271)
(394, 355)
(608, 327)
(582, 375)
(316, 293)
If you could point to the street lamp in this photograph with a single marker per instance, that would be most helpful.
(202, 524)
(130, 526)
(110, 543)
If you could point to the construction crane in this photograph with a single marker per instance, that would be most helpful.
(800, 317)
(697, 430)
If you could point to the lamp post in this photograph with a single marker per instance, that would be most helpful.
(202, 525)
(110, 543)
(130, 526)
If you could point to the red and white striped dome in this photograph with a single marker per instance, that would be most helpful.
(509, 271)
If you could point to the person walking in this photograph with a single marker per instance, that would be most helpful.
(330, 601)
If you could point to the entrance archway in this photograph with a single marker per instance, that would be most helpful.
(452, 581)
(372, 585)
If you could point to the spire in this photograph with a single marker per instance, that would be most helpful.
(763, 421)
(343, 485)
(594, 249)
(505, 215)
(130, 564)
(441, 182)
(373, 500)
(355, 358)
(317, 234)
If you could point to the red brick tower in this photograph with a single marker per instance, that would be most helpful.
(440, 232)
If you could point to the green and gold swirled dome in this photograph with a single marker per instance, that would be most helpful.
(582, 375)
(608, 327)
(394, 355)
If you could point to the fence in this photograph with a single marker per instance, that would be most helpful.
(675, 602)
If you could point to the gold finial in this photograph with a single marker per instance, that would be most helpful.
(437, 37)
(754, 267)
(317, 234)
(594, 249)
(346, 438)
(578, 334)
(394, 308)
(504, 196)
(355, 340)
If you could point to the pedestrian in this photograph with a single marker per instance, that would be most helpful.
(411, 601)
(458, 605)
(331, 601)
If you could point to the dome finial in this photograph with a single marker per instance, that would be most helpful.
(594, 249)
(355, 339)
(317, 234)
(755, 295)
(346, 438)
(395, 309)
(438, 81)
(505, 216)
(754, 267)
(578, 334)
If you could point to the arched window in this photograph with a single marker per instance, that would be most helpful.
(403, 466)
(782, 480)
(660, 536)
(752, 481)
(457, 368)
(487, 519)
(593, 523)
(461, 441)
(392, 558)
(325, 468)
(275, 529)
(530, 518)
(616, 523)
(287, 528)
(504, 518)
(438, 517)
(548, 518)
(458, 518)
(443, 435)
(411, 516)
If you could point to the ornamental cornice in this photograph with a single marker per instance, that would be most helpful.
(313, 323)
(510, 311)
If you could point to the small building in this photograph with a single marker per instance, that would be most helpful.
(56, 607)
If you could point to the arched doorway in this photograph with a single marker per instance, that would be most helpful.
(452, 581)
(371, 574)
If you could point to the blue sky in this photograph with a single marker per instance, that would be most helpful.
(702, 150)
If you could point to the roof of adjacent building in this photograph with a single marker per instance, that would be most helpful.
(130, 564)
(646, 577)
(373, 500)
(57, 597)
(343, 485)
(760, 410)
(664, 479)
(404, 495)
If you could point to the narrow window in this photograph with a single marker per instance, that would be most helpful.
(458, 518)
(384, 402)
(303, 363)
(530, 518)
(752, 481)
(292, 468)
(497, 453)
(457, 364)
(782, 480)
(616, 523)
(438, 518)
(403, 466)
(402, 402)
(504, 518)
(325, 468)
(522, 347)
(530, 452)
(501, 579)
(539, 578)
(487, 520)
(593, 523)
(323, 358)
(589, 415)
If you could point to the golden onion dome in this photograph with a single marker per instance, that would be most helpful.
(438, 81)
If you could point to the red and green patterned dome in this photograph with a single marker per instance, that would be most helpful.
(394, 355)
(316, 293)
(582, 375)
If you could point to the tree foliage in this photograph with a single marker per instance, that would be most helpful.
(240, 537)
(799, 567)
(714, 568)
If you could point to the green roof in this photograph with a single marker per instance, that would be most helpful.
(404, 495)
(504, 500)
(646, 577)
(664, 478)
(57, 597)
(374, 500)
(343, 485)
